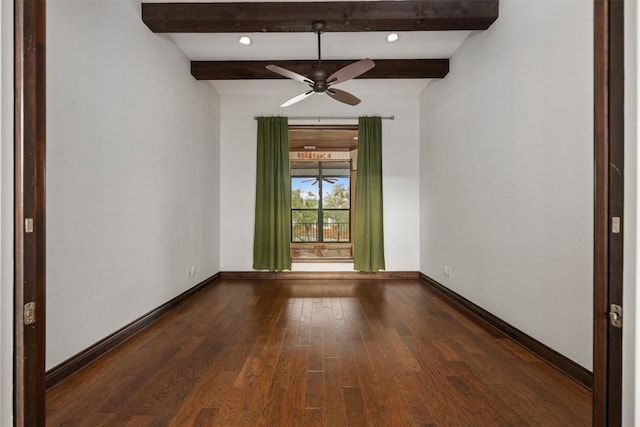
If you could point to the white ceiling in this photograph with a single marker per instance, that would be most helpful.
(297, 46)
(303, 46)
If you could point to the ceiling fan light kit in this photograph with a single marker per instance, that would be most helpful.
(320, 83)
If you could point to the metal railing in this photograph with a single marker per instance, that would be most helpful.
(331, 232)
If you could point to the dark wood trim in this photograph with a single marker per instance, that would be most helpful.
(384, 69)
(601, 217)
(322, 127)
(75, 364)
(319, 275)
(563, 364)
(29, 202)
(350, 16)
(616, 206)
(322, 260)
(608, 203)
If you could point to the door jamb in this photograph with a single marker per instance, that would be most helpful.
(29, 210)
(608, 203)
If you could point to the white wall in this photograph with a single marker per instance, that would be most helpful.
(507, 178)
(132, 181)
(241, 101)
(6, 213)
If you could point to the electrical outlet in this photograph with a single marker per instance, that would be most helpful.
(447, 271)
(193, 270)
(188, 272)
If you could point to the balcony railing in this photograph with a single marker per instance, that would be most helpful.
(331, 232)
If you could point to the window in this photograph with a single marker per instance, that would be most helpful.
(323, 177)
(321, 201)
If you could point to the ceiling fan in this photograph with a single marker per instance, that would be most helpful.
(320, 82)
(314, 181)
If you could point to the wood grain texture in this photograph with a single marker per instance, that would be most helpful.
(350, 16)
(552, 357)
(609, 202)
(616, 169)
(81, 360)
(384, 69)
(29, 177)
(318, 353)
(319, 275)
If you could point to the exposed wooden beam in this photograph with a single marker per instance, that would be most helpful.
(384, 69)
(339, 16)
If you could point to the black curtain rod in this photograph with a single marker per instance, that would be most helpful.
(330, 118)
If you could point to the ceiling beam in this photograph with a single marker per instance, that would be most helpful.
(384, 69)
(339, 16)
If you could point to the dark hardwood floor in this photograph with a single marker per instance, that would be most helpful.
(318, 353)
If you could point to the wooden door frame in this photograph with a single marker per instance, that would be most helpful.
(608, 203)
(29, 210)
(29, 202)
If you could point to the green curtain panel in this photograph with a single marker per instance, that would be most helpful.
(368, 245)
(273, 196)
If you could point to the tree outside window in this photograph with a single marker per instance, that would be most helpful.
(320, 201)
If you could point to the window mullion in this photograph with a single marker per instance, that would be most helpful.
(320, 205)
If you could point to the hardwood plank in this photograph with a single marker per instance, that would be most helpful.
(314, 393)
(334, 399)
(309, 352)
(140, 421)
(357, 413)
(313, 417)
(204, 417)
(231, 410)
(295, 391)
(316, 346)
(352, 16)
(348, 375)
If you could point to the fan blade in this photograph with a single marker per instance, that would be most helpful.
(342, 96)
(297, 98)
(351, 71)
(289, 74)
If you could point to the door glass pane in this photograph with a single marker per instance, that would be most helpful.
(336, 226)
(336, 185)
(304, 226)
(335, 193)
(305, 193)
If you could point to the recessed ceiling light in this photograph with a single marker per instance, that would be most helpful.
(393, 37)
(244, 40)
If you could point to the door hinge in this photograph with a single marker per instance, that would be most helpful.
(615, 316)
(29, 313)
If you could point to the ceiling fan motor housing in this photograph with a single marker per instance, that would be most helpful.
(320, 81)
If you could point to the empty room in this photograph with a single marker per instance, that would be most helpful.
(341, 213)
